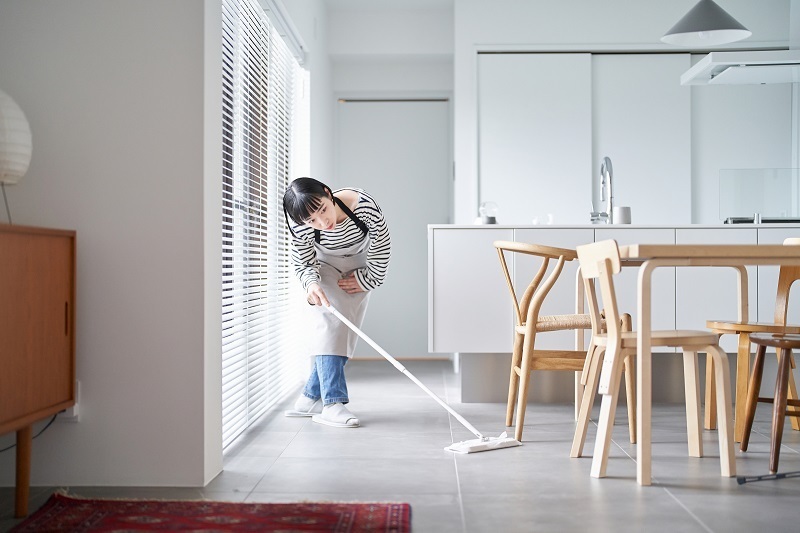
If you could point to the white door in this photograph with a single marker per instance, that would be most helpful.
(399, 151)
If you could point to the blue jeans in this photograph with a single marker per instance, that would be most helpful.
(327, 380)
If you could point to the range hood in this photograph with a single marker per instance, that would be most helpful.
(745, 68)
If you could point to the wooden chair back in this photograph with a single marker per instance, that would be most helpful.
(788, 275)
(599, 262)
(526, 308)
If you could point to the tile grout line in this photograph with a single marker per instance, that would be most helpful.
(697, 518)
(260, 479)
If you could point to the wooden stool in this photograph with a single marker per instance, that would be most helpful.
(783, 344)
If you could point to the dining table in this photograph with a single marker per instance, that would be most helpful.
(649, 257)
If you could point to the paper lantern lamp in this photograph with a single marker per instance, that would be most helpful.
(15, 141)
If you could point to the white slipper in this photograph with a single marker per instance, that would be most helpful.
(336, 415)
(304, 407)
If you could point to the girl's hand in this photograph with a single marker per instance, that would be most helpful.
(349, 284)
(316, 296)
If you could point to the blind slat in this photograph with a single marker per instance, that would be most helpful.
(259, 360)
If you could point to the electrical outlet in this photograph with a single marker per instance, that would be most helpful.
(72, 414)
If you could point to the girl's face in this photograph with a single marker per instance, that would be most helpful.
(324, 218)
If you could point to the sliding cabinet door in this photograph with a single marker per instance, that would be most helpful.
(534, 138)
(642, 121)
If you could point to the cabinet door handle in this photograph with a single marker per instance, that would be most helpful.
(66, 319)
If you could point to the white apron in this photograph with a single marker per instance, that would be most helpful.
(326, 334)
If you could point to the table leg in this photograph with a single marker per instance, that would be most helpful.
(24, 445)
(644, 374)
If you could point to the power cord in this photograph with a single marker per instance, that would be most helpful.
(8, 211)
(40, 432)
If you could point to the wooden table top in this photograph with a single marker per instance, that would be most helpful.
(708, 251)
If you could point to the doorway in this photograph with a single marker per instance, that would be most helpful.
(399, 151)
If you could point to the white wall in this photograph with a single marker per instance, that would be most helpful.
(392, 52)
(736, 127)
(124, 104)
(311, 20)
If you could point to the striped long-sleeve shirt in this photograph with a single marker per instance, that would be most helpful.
(345, 235)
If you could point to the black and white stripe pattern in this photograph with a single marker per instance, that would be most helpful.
(345, 235)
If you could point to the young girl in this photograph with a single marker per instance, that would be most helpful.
(341, 251)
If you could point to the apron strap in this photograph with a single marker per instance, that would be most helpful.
(353, 217)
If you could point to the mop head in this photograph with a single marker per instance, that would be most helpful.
(483, 445)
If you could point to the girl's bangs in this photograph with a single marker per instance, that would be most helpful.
(308, 206)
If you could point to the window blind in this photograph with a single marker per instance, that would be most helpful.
(260, 84)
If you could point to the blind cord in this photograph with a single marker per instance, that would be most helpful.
(8, 211)
(40, 432)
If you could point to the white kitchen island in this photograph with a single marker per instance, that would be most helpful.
(470, 313)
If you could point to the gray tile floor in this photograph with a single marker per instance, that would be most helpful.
(397, 455)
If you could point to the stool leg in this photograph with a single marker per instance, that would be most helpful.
(710, 421)
(630, 395)
(592, 374)
(779, 409)
(793, 395)
(742, 371)
(752, 396)
(524, 383)
(605, 424)
(513, 379)
(691, 384)
(722, 376)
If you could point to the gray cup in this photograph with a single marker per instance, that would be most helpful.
(622, 215)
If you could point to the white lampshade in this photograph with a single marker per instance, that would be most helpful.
(15, 141)
(706, 24)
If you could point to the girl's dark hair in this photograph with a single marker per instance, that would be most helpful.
(302, 198)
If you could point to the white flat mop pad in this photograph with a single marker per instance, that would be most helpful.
(481, 444)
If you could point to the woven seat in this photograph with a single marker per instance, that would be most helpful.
(526, 358)
(560, 323)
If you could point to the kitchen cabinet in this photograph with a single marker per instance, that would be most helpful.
(37, 340)
(468, 306)
(641, 119)
(535, 135)
(545, 121)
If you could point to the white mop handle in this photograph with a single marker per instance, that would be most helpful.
(402, 369)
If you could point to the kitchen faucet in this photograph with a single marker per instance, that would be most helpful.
(606, 194)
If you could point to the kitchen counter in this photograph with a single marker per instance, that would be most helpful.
(614, 226)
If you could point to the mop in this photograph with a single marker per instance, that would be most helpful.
(481, 444)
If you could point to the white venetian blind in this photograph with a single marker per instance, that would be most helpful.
(260, 81)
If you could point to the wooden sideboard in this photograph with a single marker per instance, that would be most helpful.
(37, 335)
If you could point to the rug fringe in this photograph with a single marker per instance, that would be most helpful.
(69, 493)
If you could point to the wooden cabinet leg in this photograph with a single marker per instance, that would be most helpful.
(24, 445)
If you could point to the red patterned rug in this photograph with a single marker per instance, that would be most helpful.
(65, 513)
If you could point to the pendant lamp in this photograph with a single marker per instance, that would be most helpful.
(15, 141)
(706, 24)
